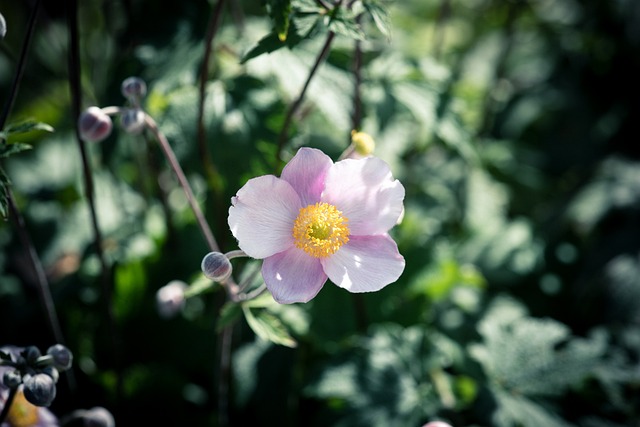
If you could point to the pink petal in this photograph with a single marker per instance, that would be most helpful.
(366, 193)
(306, 173)
(293, 276)
(261, 216)
(365, 264)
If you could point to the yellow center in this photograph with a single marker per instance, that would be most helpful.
(22, 413)
(320, 230)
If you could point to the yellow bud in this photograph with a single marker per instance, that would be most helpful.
(362, 143)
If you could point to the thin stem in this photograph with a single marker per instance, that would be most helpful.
(74, 87)
(7, 404)
(44, 290)
(223, 379)
(235, 254)
(22, 60)
(209, 167)
(184, 183)
(323, 5)
(284, 133)
(357, 95)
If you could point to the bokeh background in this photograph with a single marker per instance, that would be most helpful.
(512, 124)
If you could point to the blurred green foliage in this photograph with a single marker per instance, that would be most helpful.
(512, 125)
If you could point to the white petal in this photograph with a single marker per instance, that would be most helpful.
(306, 172)
(262, 214)
(366, 193)
(365, 264)
(293, 276)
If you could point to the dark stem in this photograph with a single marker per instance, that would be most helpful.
(22, 60)
(357, 96)
(444, 12)
(209, 167)
(284, 133)
(7, 404)
(223, 378)
(323, 5)
(74, 87)
(184, 183)
(44, 290)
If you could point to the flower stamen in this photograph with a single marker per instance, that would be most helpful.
(320, 230)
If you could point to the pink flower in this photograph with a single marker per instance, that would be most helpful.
(321, 220)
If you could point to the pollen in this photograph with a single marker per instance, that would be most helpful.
(320, 230)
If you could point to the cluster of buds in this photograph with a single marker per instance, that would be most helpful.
(95, 125)
(37, 373)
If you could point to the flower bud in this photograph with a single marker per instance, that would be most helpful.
(3, 27)
(52, 372)
(216, 266)
(436, 424)
(133, 88)
(31, 354)
(40, 389)
(170, 298)
(62, 357)
(94, 125)
(363, 143)
(98, 417)
(12, 378)
(132, 120)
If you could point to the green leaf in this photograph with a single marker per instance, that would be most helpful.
(130, 284)
(268, 327)
(25, 127)
(346, 24)
(280, 11)
(229, 314)
(7, 150)
(380, 17)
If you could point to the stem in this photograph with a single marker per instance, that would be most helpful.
(7, 404)
(182, 179)
(284, 133)
(44, 290)
(223, 379)
(357, 95)
(74, 87)
(235, 254)
(22, 60)
(209, 167)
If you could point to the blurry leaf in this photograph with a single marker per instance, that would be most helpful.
(229, 314)
(130, 284)
(344, 22)
(268, 327)
(379, 15)
(7, 150)
(279, 10)
(440, 280)
(24, 127)
(380, 382)
(527, 358)
(199, 286)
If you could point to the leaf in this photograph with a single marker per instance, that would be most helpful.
(280, 11)
(7, 150)
(346, 24)
(380, 17)
(25, 127)
(268, 327)
(229, 314)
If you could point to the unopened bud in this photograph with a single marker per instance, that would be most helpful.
(436, 424)
(132, 120)
(40, 389)
(134, 89)
(98, 417)
(170, 298)
(363, 143)
(31, 354)
(62, 357)
(52, 372)
(12, 378)
(3, 27)
(216, 266)
(94, 125)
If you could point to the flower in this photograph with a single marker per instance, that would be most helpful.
(321, 220)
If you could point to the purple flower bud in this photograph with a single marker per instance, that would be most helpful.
(170, 298)
(216, 266)
(62, 357)
(40, 389)
(31, 354)
(132, 120)
(133, 88)
(12, 378)
(3, 27)
(98, 417)
(94, 125)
